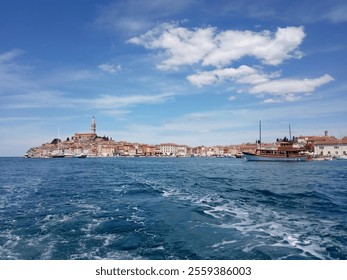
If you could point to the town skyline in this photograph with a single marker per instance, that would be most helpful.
(193, 73)
(83, 144)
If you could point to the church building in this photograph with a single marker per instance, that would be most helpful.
(87, 136)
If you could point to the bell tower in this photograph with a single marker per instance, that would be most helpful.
(93, 125)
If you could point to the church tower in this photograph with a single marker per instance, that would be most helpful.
(93, 125)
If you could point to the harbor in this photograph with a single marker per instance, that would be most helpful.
(89, 144)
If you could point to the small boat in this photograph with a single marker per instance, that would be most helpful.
(80, 156)
(341, 157)
(58, 156)
(285, 151)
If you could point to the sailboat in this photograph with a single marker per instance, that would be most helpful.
(285, 151)
(60, 153)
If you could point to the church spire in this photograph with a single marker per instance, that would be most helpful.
(93, 125)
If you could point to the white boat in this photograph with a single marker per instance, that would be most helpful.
(341, 157)
(80, 156)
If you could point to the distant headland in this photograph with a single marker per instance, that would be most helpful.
(89, 144)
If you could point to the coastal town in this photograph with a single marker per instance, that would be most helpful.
(89, 144)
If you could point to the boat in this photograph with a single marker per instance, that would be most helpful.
(341, 157)
(58, 156)
(285, 151)
(80, 156)
(60, 153)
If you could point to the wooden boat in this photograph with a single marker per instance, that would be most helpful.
(285, 151)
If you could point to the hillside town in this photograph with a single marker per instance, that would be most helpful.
(89, 144)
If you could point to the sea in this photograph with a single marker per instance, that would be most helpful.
(172, 209)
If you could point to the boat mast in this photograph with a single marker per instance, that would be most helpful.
(290, 133)
(58, 141)
(259, 135)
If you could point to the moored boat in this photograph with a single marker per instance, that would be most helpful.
(284, 152)
(58, 156)
(80, 156)
(341, 157)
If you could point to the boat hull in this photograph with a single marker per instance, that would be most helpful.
(253, 157)
(341, 157)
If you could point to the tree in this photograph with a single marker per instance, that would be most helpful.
(55, 141)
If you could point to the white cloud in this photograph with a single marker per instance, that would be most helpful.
(133, 16)
(260, 83)
(270, 48)
(208, 47)
(243, 74)
(337, 14)
(232, 98)
(56, 99)
(10, 55)
(290, 86)
(109, 101)
(14, 77)
(110, 68)
(183, 46)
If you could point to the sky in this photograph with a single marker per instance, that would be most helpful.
(193, 72)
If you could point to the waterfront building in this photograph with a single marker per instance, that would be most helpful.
(331, 148)
(168, 149)
(182, 150)
(87, 136)
(308, 141)
(148, 150)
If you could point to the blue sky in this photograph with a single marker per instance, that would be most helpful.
(185, 71)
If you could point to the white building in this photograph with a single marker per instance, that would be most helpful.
(169, 149)
(331, 148)
(182, 150)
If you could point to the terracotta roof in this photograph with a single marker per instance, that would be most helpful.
(336, 142)
(168, 144)
(317, 138)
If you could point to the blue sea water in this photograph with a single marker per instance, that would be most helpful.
(172, 208)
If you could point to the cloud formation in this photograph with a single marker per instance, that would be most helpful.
(110, 68)
(243, 74)
(10, 55)
(57, 99)
(290, 86)
(210, 47)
